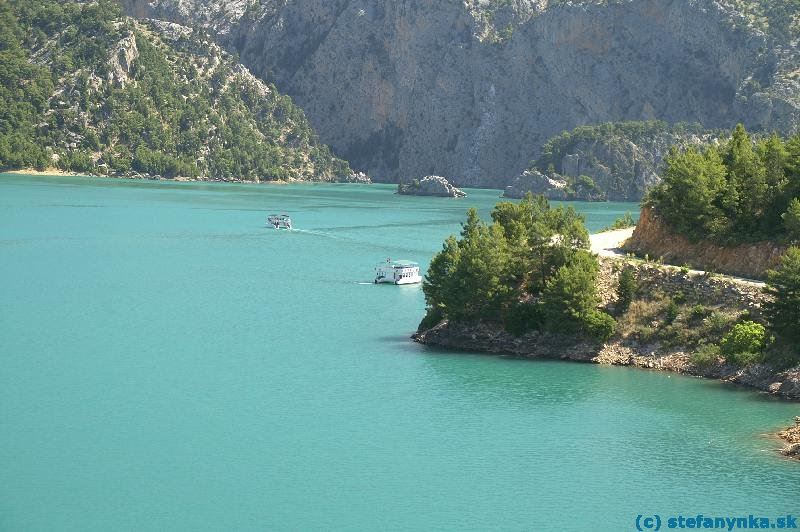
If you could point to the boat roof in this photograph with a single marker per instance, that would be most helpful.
(400, 264)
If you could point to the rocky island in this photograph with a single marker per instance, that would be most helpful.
(431, 185)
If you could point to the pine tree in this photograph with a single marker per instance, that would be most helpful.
(747, 177)
(571, 294)
(775, 156)
(438, 282)
(791, 219)
(783, 284)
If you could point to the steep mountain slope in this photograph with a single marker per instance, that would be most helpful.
(89, 90)
(471, 89)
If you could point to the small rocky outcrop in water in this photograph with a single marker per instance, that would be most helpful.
(792, 438)
(432, 185)
(554, 187)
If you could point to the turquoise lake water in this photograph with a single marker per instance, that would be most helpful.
(167, 363)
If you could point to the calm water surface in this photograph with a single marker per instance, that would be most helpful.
(166, 362)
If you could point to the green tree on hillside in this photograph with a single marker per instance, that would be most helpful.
(694, 195)
(731, 193)
(791, 219)
(531, 263)
(783, 313)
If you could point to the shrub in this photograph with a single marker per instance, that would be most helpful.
(745, 359)
(781, 356)
(571, 293)
(744, 343)
(672, 311)
(717, 323)
(705, 356)
(698, 312)
(599, 325)
(622, 222)
(626, 289)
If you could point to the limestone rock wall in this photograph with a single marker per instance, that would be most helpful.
(470, 91)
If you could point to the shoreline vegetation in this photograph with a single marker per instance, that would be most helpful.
(528, 283)
(56, 172)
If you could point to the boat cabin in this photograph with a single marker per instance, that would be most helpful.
(279, 221)
(397, 272)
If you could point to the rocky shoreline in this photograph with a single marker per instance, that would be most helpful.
(792, 438)
(493, 339)
(358, 177)
(490, 338)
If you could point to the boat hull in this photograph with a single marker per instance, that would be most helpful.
(405, 280)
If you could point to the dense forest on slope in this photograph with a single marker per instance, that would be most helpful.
(743, 189)
(85, 89)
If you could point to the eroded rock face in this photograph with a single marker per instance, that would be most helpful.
(120, 64)
(432, 185)
(420, 87)
(652, 237)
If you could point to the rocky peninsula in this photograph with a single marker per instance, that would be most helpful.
(661, 329)
(554, 187)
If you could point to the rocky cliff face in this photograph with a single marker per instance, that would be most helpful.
(652, 237)
(471, 90)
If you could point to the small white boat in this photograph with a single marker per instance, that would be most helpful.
(279, 221)
(397, 272)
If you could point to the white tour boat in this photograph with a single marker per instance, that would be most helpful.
(279, 221)
(397, 272)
